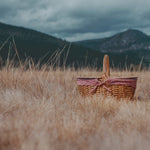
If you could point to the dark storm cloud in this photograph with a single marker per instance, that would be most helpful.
(77, 19)
(6, 12)
(102, 23)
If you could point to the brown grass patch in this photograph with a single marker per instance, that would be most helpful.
(42, 109)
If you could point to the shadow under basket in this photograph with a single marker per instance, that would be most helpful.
(119, 87)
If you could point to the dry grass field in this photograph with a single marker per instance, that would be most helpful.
(42, 110)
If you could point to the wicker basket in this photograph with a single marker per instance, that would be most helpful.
(118, 87)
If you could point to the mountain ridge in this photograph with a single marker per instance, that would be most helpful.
(41, 46)
(130, 39)
(5, 27)
(36, 45)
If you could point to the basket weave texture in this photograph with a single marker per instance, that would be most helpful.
(118, 87)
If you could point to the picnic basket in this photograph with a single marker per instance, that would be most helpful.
(117, 87)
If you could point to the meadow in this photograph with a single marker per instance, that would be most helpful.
(41, 109)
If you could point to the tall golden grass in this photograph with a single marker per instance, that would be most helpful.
(42, 110)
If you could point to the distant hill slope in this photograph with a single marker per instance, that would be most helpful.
(51, 50)
(28, 42)
(121, 42)
(132, 44)
(39, 46)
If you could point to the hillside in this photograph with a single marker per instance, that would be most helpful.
(47, 49)
(29, 42)
(131, 44)
(121, 42)
(40, 46)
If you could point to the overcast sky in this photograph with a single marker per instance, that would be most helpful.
(75, 20)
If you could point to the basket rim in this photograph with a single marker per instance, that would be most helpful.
(99, 82)
(109, 78)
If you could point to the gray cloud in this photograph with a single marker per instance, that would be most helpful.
(77, 19)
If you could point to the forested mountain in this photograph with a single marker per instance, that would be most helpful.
(43, 47)
(124, 49)
(132, 44)
(125, 41)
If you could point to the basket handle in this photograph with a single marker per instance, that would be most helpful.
(106, 68)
